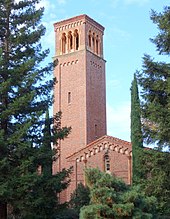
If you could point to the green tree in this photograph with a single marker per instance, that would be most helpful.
(110, 198)
(136, 131)
(43, 200)
(24, 96)
(155, 180)
(46, 163)
(79, 198)
(154, 80)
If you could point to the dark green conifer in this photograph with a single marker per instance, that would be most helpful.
(110, 198)
(46, 165)
(25, 94)
(136, 131)
(154, 80)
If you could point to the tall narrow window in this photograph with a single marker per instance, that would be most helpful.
(76, 39)
(63, 43)
(70, 40)
(95, 130)
(69, 97)
(106, 162)
(97, 45)
(93, 40)
(89, 36)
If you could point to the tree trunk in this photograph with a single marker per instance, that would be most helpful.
(3, 211)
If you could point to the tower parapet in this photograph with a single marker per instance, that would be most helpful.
(77, 33)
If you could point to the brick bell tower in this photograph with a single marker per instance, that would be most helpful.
(80, 92)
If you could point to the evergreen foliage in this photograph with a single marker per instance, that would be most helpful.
(46, 163)
(154, 80)
(136, 131)
(79, 198)
(155, 180)
(110, 198)
(24, 97)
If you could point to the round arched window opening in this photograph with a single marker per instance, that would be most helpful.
(70, 38)
(90, 38)
(63, 43)
(106, 163)
(76, 39)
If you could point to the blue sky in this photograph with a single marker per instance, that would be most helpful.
(128, 29)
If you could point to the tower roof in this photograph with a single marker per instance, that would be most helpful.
(85, 18)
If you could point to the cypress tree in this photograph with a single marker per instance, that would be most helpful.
(136, 130)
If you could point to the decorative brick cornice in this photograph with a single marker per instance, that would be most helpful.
(104, 143)
(73, 21)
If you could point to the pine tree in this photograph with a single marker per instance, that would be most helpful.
(24, 96)
(154, 80)
(79, 198)
(136, 131)
(110, 198)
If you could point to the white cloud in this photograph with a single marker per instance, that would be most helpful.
(43, 3)
(118, 120)
(48, 41)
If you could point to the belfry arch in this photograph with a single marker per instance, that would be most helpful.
(63, 43)
(94, 43)
(70, 41)
(77, 39)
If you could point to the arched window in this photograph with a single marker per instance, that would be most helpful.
(93, 41)
(106, 162)
(95, 130)
(97, 44)
(76, 39)
(69, 97)
(70, 40)
(63, 43)
(89, 38)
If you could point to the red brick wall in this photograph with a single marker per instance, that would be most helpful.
(82, 74)
(118, 168)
